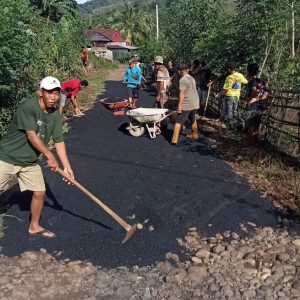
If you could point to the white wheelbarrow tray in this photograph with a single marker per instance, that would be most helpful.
(146, 117)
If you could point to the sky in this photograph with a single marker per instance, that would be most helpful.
(81, 1)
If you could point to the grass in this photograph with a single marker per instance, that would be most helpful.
(273, 174)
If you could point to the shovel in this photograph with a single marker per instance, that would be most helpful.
(130, 229)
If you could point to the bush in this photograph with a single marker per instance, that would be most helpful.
(32, 47)
(101, 63)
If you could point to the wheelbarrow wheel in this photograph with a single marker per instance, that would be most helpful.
(137, 131)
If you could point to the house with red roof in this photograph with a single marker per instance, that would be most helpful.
(108, 43)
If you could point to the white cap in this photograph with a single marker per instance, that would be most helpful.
(50, 83)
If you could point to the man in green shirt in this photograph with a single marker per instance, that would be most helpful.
(35, 122)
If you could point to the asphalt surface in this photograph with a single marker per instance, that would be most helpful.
(175, 187)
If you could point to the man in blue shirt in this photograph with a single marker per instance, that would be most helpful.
(133, 79)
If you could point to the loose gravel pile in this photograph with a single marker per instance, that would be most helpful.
(263, 264)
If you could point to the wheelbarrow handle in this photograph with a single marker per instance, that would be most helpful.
(166, 116)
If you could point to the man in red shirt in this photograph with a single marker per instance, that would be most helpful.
(69, 89)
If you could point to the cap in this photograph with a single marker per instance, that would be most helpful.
(49, 83)
(183, 67)
(158, 60)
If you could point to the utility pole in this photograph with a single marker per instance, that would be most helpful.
(293, 28)
(157, 29)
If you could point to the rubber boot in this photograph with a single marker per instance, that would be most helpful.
(176, 133)
(194, 135)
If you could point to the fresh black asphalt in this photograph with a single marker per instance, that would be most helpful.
(175, 187)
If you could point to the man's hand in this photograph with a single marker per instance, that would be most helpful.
(69, 171)
(264, 96)
(52, 162)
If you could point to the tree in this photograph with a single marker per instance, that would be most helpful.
(30, 48)
(134, 24)
(54, 10)
(185, 22)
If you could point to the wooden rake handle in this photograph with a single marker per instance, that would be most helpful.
(118, 219)
(206, 101)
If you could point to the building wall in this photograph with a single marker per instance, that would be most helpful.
(119, 53)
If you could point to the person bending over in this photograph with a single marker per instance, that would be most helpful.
(69, 90)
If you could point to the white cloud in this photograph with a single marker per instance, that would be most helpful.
(81, 1)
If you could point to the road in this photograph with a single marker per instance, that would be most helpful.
(175, 187)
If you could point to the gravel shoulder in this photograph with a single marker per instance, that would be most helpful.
(263, 265)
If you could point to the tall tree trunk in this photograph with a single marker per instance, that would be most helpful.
(267, 52)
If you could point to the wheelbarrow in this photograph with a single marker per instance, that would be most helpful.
(118, 107)
(147, 118)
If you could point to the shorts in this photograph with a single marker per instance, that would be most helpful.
(186, 115)
(29, 177)
(202, 95)
(252, 118)
(133, 93)
(62, 101)
(163, 99)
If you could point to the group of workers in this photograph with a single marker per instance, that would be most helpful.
(194, 84)
(37, 120)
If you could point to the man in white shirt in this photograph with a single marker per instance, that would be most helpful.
(162, 82)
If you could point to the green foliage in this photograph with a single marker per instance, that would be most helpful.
(101, 63)
(125, 58)
(99, 6)
(15, 49)
(54, 10)
(245, 31)
(151, 49)
(184, 23)
(31, 47)
(134, 24)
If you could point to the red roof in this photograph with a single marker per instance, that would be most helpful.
(111, 34)
(114, 47)
(127, 47)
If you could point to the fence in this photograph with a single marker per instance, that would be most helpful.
(280, 126)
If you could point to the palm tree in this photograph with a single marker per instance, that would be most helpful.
(133, 24)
